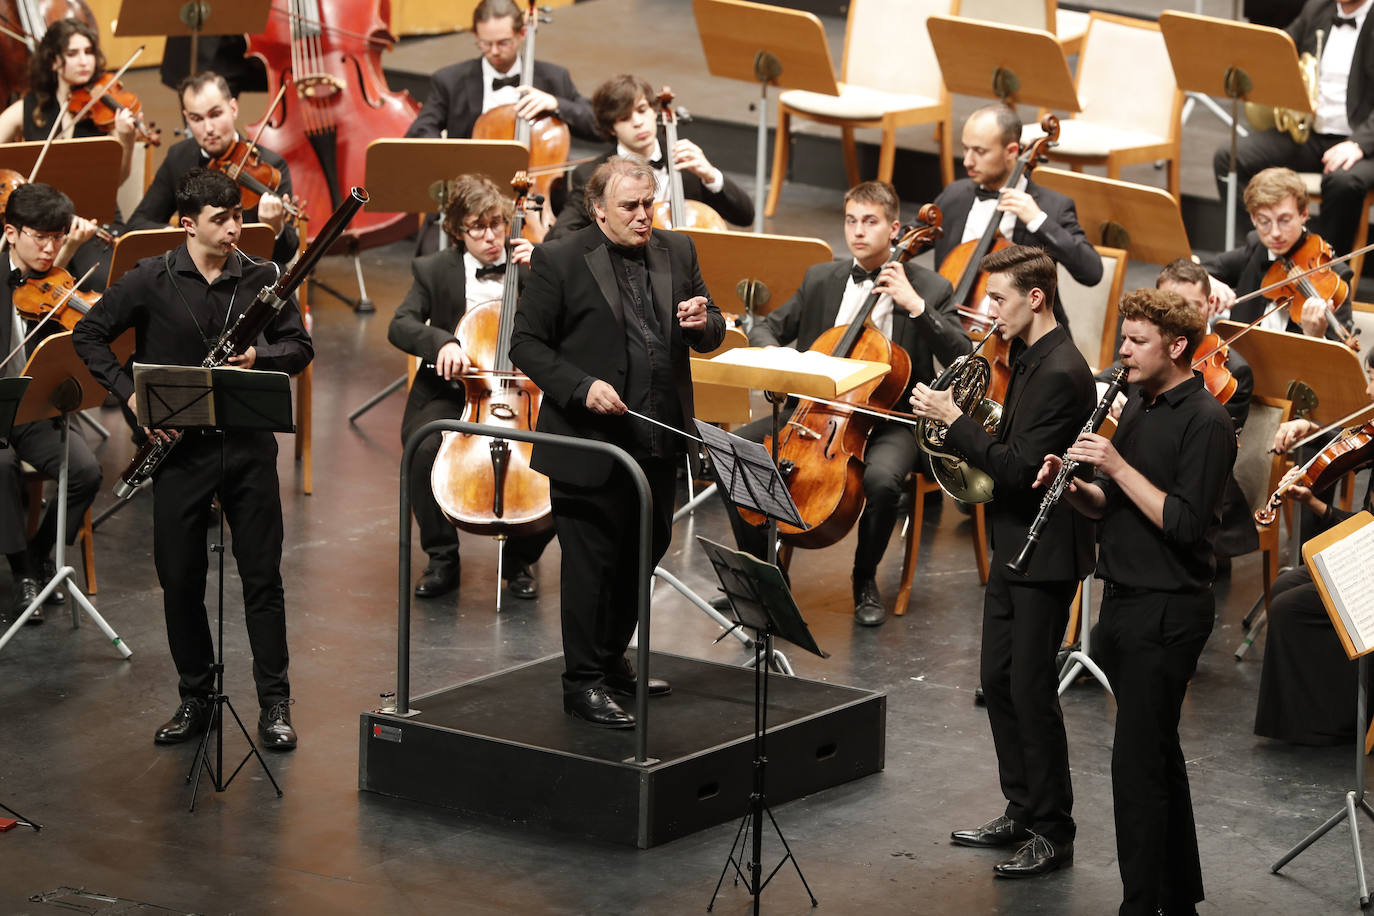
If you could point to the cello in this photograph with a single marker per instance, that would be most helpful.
(328, 55)
(677, 212)
(820, 452)
(485, 485)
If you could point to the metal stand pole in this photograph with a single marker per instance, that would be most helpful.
(1079, 659)
(377, 398)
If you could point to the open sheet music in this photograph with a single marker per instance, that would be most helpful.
(1343, 567)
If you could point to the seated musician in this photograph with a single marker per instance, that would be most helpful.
(467, 273)
(1342, 135)
(36, 222)
(917, 313)
(1307, 685)
(210, 112)
(627, 113)
(1277, 203)
(1030, 214)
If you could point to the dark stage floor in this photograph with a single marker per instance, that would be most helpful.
(76, 749)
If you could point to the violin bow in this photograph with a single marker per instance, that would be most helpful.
(1313, 436)
(52, 311)
(97, 96)
(253, 144)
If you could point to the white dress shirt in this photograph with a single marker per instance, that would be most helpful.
(855, 295)
(1333, 74)
(506, 95)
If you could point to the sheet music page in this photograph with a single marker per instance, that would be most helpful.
(173, 396)
(785, 358)
(1345, 566)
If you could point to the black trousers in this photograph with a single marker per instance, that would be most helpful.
(598, 531)
(438, 536)
(1342, 190)
(251, 500)
(1149, 647)
(40, 444)
(1023, 624)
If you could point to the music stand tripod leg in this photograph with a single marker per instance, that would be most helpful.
(20, 819)
(377, 398)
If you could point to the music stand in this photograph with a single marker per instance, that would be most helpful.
(256, 239)
(762, 271)
(80, 168)
(1017, 65)
(222, 400)
(769, 46)
(1147, 222)
(61, 385)
(1330, 369)
(1211, 56)
(178, 17)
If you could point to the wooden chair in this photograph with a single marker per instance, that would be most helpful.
(919, 486)
(33, 481)
(1258, 472)
(1092, 309)
(889, 80)
(1131, 114)
(1066, 25)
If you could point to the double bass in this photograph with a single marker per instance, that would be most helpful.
(327, 53)
(677, 212)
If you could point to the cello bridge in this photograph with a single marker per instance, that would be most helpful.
(319, 85)
(501, 411)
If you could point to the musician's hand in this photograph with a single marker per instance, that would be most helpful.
(691, 313)
(246, 359)
(1290, 432)
(601, 398)
(162, 435)
(451, 361)
(1313, 319)
(125, 127)
(1300, 494)
(271, 212)
(1098, 451)
(893, 281)
(931, 404)
(79, 233)
(1019, 203)
(1220, 302)
(534, 102)
(1048, 471)
(522, 249)
(1341, 156)
(688, 157)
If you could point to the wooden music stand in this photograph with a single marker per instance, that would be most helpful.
(400, 172)
(131, 247)
(178, 17)
(81, 169)
(1329, 368)
(724, 404)
(1145, 221)
(987, 60)
(1234, 60)
(760, 271)
(769, 46)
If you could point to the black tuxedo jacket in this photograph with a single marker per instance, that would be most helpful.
(1051, 398)
(570, 330)
(1243, 269)
(1318, 15)
(427, 318)
(935, 334)
(731, 203)
(455, 101)
(159, 202)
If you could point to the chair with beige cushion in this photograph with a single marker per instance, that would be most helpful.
(889, 79)
(1066, 25)
(1092, 309)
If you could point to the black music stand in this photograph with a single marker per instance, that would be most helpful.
(222, 400)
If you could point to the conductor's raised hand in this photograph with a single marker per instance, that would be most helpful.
(691, 313)
(601, 398)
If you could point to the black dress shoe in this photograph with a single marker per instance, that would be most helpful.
(25, 590)
(46, 571)
(274, 727)
(594, 705)
(868, 604)
(191, 719)
(436, 582)
(625, 682)
(1000, 831)
(1037, 856)
(522, 584)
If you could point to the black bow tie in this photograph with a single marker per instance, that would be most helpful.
(501, 82)
(1340, 22)
(982, 193)
(491, 270)
(859, 275)
(658, 164)
(16, 278)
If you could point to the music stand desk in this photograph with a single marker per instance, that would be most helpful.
(155, 18)
(734, 32)
(81, 169)
(761, 271)
(977, 58)
(1329, 368)
(400, 172)
(256, 239)
(1150, 216)
(748, 367)
(1203, 49)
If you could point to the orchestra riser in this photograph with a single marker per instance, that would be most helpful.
(502, 747)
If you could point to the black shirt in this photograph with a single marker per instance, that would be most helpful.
(649, 385)
(1185, 445)
(177, 317)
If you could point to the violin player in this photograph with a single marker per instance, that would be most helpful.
(37, 219)
(916, 311)
(626, 113)
(211, 112)
(446, 284)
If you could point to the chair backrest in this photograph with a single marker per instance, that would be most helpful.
(1029, 14)
(887, 46)
(1364, 323)
(1125, 79)
(1257, 470)
(1092, 309)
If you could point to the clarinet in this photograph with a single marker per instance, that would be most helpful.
(245, 329)
(1067, 467)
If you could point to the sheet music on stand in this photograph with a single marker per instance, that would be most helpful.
(759, 595)
(749, 475)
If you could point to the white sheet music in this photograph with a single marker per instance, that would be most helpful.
(784, 358)
(1347, 566)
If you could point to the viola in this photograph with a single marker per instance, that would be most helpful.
(110, 98)
(1350, 451)
(677, 212)
(22, 24)
(37, 296)
(10, 179)
(255, 175)
(485, 485)
(1312, 254)
(1217, 379)
(821, 451)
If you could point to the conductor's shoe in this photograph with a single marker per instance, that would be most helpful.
(59, 594)
(595, 705)
(25, 590)
(191, 719)
(1000, 831)
(521, 582)
(625, 682)
(868, 604)
(436, 582)
(1037, 856)
(274, 727)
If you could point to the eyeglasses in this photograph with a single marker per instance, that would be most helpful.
(45, 238)
(505, 44)
(478, 230)
(1264, 223)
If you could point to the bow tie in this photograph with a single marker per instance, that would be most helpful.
(501, 82)
(491, 270)
(1340, 22)
(16, 278)
(658, 164)
(982, 193)
(859, 275)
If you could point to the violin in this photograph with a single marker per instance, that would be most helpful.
(821, 451)
(22, 25)
(103, 98)
(10, 179)
(677, 212)
(36, 297)
(1216, 378)
(1350, 451)
(1308, 258)
(254, 175)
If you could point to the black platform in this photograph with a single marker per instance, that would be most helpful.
(502, 746)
